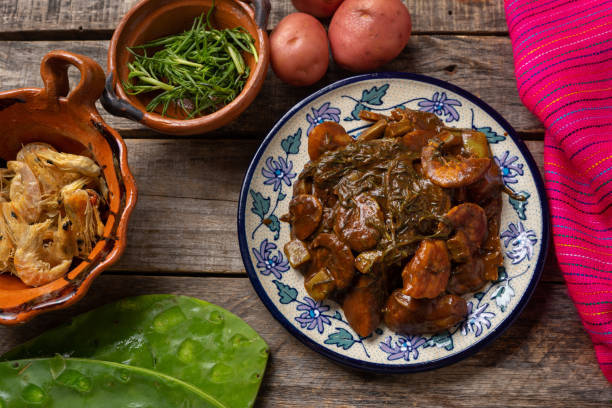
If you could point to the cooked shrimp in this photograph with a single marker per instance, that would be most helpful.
(29, 264)
(86, 226)
(305, 213)
(48, 213)
(14, 227)
(63, 246)
(405, 314)
(72, 187)
(24, 192)
(488, 187)
(427, 273)
(70, 163)
(472, 220)
(467, 277)
(95, 199)
(363, 304)
(5, 182)
(454, 171)
(337, 258)
(326, 136)
(417, 139)
(51, 179)
(7, 247)
(360, 226)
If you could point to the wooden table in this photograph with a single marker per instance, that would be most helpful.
(182, 237)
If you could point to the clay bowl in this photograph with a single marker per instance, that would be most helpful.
(69, 121)
(153, 19)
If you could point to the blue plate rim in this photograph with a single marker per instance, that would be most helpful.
(376, 367)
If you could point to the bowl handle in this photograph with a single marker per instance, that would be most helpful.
(54, 73)
(117, 106)
(262, 12)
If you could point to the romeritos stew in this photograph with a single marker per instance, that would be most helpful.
(398, 224)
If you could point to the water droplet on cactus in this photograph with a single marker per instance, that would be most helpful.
(33, 394)
(124, 376)
(216, 317)
(238, 340)
(221, 373)
(254, 378)
(57, 365)
(75, 380)
(168, 319)
(188, 350)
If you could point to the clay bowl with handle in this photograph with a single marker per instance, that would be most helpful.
(67, 120)
(153, 19)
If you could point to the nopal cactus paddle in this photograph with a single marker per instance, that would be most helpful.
(60, 382)
(195, 341)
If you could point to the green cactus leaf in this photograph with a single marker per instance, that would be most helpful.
(197, 342)
(93, 384)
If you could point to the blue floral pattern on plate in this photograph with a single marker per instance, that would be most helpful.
(325, 113)
(322, 325)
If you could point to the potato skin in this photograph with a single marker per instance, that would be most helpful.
(365, 34)
(317, 8)
(299, 50)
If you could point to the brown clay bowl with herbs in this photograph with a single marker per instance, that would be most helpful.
(69, 121)
(153, 19)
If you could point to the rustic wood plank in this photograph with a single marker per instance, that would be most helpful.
(185, 220)
(544, 359)
(76, 19)
(483, 65)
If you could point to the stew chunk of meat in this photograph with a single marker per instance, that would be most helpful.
(360, 226)
(362, 306)
(339, 259)
(471, 219)
(404, 314)
(305, 213)
(426, 275)
(467, 277)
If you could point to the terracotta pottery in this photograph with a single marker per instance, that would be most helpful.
(67, 120)
(153, 19)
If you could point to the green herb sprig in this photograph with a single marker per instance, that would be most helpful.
(200, 70)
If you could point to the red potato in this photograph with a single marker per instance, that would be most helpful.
(299, 50)
(317, 8)
(365, 34)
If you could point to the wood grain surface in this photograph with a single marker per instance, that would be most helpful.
(182, 237)
(78, 19)
(481, 64)
(544, 360)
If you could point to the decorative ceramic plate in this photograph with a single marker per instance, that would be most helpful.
(267, 190)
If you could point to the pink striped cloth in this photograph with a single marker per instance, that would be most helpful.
(563, 66)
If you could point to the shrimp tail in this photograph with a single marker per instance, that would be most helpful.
(70, 162)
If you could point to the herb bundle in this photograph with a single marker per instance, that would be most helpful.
(200, 70)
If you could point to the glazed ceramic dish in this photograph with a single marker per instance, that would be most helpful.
(67, 120)
(153, 19)
(267, 190)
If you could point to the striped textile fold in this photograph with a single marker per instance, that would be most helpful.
(563, 66)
